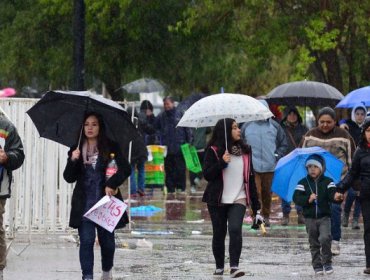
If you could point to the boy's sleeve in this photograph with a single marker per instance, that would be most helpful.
(300, 196)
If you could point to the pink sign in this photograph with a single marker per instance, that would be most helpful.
(107, 212)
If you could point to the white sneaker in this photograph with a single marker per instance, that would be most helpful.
(107, 275)
(335, 248)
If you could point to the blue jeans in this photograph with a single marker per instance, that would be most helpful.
(336, 230)
(86, 231)
(352, 197)
(285, 206)
(140, 184)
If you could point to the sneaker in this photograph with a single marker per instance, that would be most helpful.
(285, 220)
(141, 193)
(335, 248)
(219, 271)
(319, 271)
(107, 275)
(236, 272)
(355, 224)
(367, 270)
(300, 219)
(328, 269)
(345, 219)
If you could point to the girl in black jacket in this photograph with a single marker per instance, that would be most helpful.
(360, 169)
(230, 189)
(87, 166)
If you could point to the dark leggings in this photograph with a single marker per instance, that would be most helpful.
(365, 208)
(227, 215)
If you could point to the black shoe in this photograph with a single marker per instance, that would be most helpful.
(236, 272)
(219, 272)
(367, 270)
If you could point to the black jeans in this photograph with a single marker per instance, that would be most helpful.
(227, 215)
(365, 208)
(174, 166)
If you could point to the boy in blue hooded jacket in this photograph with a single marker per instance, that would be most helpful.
(315, 193)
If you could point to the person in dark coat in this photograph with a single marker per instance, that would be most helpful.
(173, 137)
(294, 130)
(353, 126)
(11, 158)
(360, 169)
(231, 188)
(87, 165)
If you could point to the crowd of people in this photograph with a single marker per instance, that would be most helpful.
(238, 163)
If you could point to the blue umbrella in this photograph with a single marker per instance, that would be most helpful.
(361, 95)
(291, 168)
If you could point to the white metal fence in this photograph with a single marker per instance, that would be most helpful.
(40, 199)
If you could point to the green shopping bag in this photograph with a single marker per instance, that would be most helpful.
(191, 158)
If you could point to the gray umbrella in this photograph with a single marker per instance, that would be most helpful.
(144, 85)
(305, 93)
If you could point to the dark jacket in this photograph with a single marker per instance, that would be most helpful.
(170, 135)
(360, 169)
(213, 173)
(294, 133)
(75, 171)
(323, 187)
(14, 150)
(354, 130)
(147, 129)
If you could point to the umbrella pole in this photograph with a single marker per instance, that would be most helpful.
(225, 134)
(129, 178)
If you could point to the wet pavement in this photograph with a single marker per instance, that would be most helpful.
(175, 243)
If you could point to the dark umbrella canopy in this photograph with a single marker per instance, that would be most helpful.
(144, 85)
(190, 100)
(58, 116)
(305, 93)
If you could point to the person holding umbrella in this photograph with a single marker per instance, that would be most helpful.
(340, 143)
(315, 193)
(231, 188)
(86, 165)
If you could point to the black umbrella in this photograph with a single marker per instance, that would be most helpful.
(58, 116)
(305, 93)
(190, 100)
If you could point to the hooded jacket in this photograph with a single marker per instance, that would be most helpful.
(294, 132)
(323, 187)
(354, 128)
(13, 147)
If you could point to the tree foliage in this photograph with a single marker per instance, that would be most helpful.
(242, 45)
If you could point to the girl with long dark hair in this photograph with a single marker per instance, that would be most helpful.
(230, 189)
(87, 166)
